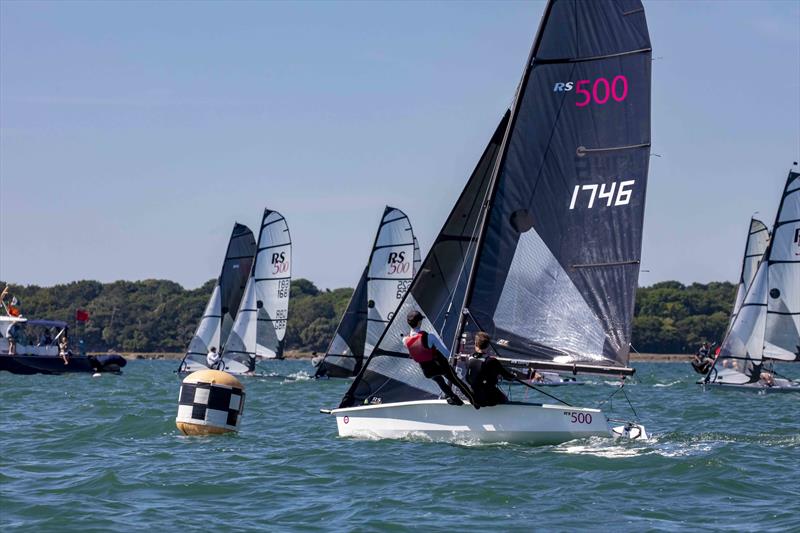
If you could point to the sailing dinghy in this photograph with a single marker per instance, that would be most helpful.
(220, 312)
(541, 249)
(392, 264)
(755, 246)
(766, 328)
(260, 326)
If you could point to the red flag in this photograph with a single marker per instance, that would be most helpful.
(81, 315)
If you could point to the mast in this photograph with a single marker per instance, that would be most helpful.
(496, 173)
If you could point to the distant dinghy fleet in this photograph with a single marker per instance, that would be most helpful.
(245, 318)
(536, 265)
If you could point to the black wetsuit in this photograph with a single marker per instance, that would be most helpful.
(482, 375)
(702, 360)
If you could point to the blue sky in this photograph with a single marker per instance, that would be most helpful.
(133, 134)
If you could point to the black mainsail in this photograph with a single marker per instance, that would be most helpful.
(220, 312)
(550, 266)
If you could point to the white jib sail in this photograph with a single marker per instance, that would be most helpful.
(207, 334)
(391, 270)
(757, 240)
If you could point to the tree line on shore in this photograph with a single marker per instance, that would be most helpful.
(161, 316)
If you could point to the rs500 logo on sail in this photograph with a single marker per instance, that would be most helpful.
(597, 91)
(397, 264)
(279, 263)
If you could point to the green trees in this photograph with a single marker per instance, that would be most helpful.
(673, 318)
(161, 316)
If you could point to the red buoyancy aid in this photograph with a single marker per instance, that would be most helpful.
(417, 349)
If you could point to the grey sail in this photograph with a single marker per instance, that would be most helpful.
(558, 265)
(345, 354)
(260, 325)
(222, 307)
(389, 374)
(767, 326)
(755, 246)
(382, 285)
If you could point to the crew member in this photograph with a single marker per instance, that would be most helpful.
(703, 360)
(12, 340)
(213, 358)
(483, 372)
(429, 352)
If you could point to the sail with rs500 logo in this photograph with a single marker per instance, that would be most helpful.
(392, 264)
(260, 326)
(542, 250)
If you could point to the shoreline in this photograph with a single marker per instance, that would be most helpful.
(299, 355)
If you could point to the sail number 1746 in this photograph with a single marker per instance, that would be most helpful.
(613, 193)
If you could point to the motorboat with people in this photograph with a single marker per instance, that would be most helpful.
(36, 346)
(540, 253)
(765, 330)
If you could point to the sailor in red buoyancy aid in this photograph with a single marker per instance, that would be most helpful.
(428, 351)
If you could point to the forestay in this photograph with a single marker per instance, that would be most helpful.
(756, 245)
(389, 374)
(768, 323)
(260, 325)
(389, 271)
(221, 310)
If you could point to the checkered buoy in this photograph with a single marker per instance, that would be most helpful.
(211, 402)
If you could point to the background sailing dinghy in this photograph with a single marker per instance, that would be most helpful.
(220, 312)
(766, 329)
(260, 324)
(394, 260)
(754, 248)
(542, 248)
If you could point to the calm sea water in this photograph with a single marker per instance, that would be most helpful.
(103, 454)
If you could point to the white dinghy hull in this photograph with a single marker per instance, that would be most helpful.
(438, 421)
(780, 386)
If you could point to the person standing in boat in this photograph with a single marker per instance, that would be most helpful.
(429, 352)
(483, 372)
(12, 340)
(63, 348)
(213, 358)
